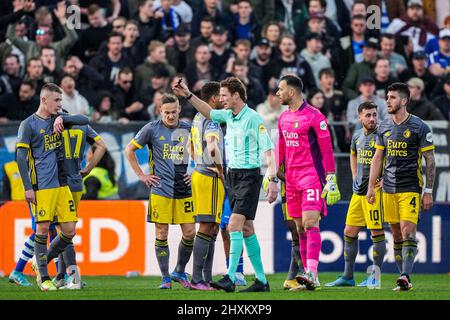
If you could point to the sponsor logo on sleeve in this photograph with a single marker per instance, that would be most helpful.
(429, 137)
(323, 125)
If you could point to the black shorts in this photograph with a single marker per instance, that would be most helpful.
(243, 192)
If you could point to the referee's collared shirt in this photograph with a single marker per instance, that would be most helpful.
(246, 137)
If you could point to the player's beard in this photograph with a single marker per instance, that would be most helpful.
(370, 126)
(394, 110)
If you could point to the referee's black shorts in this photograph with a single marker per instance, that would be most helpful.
(244, 187)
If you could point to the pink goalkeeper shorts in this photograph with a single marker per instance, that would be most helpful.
(306, 200)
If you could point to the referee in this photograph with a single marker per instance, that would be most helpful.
(247, 137)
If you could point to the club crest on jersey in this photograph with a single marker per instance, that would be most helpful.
(42, 213)
(42, 131)
(212, 126)
(262, 129)
(181, 138)
(295, 124)
(372, 143)
(323, 125)
(407, 133)
(162, 138)
(387, 134)
(429, 137)
(358, 142)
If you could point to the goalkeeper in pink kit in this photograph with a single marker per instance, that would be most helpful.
(305, 147)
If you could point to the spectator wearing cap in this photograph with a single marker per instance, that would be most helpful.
(316, 24)
(220, 48)
(72, 100)
(19, 106)
(390, 9)
(443, 101)
(270, 110)
(91, 38)
(108, 64)
(314, 56)
(351, 46)
(397, 61)
(336, 103)
(419, 105)
(181, 54)
(414, 24)
(209, 8)
(291, 15)
(420, 70)
(202, 70)
(359, 69)
(366, 88)
(206, 29)
(262, 60)
(88, 80)
(289, 62)
(127, 101)
(156, 56)
(44, 37)
(245, 25)
(170, 20)
(180, 7)
(383, 77)
(439, 61)
(149, 22)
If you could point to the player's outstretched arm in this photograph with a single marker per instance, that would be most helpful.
(430, 172)
(181, 90)
(375, 170)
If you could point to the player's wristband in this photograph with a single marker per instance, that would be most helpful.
(189, 96)
(428, 190)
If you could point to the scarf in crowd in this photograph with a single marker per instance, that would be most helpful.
(288, 19)
(425, 25)
(173, 23)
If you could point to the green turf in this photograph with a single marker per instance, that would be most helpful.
(426, 287)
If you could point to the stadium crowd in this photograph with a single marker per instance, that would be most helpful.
(125, 54)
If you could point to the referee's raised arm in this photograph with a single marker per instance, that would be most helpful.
(181, 90)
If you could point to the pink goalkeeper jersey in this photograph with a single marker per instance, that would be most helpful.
(304, 145)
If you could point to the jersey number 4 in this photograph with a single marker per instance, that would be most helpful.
(72, 134)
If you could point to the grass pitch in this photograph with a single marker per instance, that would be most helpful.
(426, 287)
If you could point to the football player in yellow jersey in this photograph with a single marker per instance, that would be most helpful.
(402, 141)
